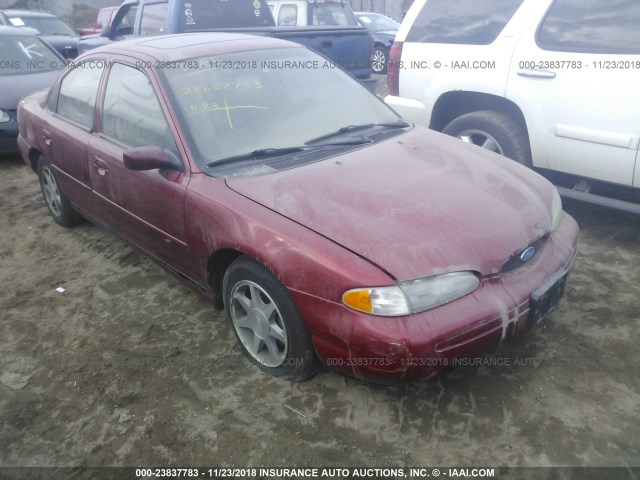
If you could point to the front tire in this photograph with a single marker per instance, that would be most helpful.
(266, 322)
(58, 204)
(493, 131)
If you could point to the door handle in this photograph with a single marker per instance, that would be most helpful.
(537, 73)
(46, 135)
(100, 165)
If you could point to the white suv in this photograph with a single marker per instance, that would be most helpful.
(553, 84)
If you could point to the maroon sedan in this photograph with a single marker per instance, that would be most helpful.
(281, 189)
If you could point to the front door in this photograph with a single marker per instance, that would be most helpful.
(146, 207)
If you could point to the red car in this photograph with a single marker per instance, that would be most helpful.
(105, 15)
(280, 188)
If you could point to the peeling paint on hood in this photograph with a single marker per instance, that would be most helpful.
(416, 205)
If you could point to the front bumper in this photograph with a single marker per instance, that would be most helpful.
(384, 349)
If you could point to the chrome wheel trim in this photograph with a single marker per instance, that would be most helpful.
(258, 323)
(51, 192)
(481, 139)
(378, 62)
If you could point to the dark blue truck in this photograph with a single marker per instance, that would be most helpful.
(349, 47)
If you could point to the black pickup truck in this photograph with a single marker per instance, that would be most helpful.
(348, 47)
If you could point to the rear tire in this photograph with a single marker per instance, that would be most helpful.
(266, 322)
(380, 60)
(58, 204)
(494, 131)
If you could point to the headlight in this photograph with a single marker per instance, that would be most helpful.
(556, 210)
(4, 117)
(413, 296)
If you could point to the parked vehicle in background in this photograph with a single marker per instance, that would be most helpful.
(349, 47)
(105, 15)
(325, 225)
(27, 64)
(552, 84)
(321, 13)
(54, 30)
(383, 29)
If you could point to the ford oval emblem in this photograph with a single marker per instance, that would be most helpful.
(527, 254)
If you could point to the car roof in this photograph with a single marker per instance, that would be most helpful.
(28, 13)
(189, 45)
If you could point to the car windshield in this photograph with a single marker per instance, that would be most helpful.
(378, 23)
(269, 99)
(44, 25)
(24, 54)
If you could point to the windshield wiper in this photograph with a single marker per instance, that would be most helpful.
(260, 153)
(354, 128)
(276, 152)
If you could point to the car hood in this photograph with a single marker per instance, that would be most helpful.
(416, 205)
(89, 42)
(66, 45)
(386, 33)
(14, 87)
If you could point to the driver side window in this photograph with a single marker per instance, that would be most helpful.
(131, 115)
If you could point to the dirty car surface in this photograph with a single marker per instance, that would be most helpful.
(328, 228)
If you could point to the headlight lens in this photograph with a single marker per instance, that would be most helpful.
(413, 296)
(4, 117)
(556, 210)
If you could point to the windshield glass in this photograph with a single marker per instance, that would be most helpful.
(279, 98)
(204, 15)
(378, 23)
(22, 54)
(44, 25)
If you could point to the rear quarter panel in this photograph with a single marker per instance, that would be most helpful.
(348, 47)
(471, 68)
(30, 112)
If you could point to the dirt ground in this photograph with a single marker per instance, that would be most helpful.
(127, 367)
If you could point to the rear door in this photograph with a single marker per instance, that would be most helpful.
(146, 207)
(575, 75)
(70, 127)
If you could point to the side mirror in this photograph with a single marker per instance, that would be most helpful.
(150, 158)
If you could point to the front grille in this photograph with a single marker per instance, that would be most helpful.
(516, 262)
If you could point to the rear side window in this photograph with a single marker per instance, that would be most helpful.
(592, 26)
(465, 22)
(131, 114)
(198, 15)
(288, 15)
(331, 14)
(154, 19)
(78, 92)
